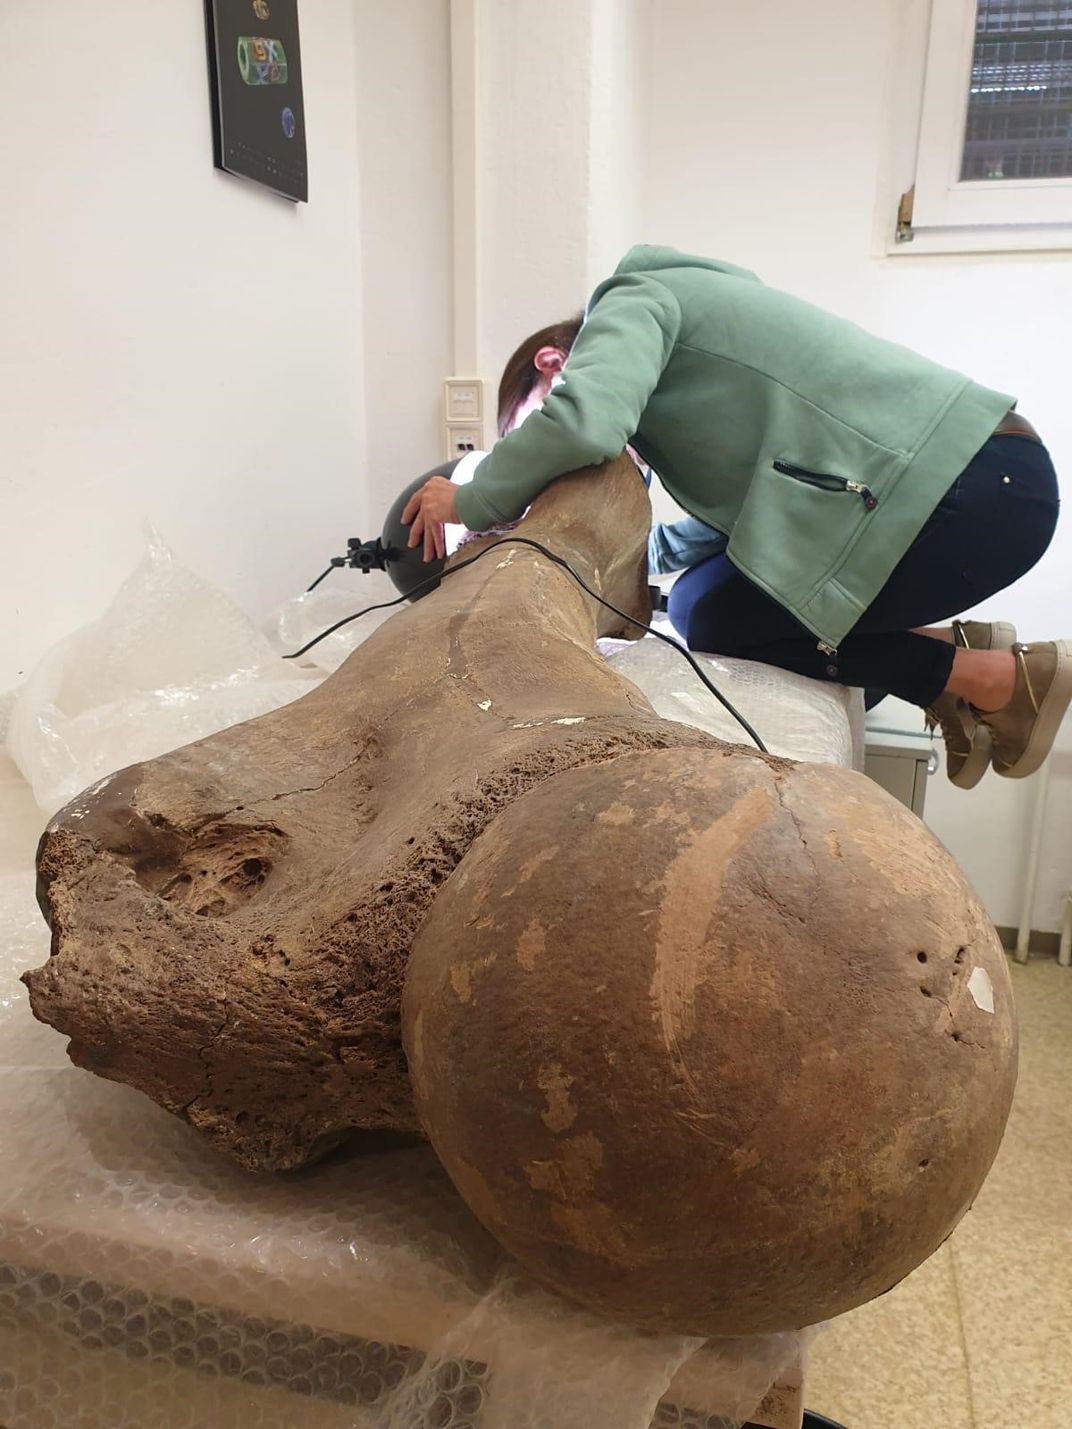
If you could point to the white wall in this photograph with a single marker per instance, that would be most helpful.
(175, 344)
(533, 98)
(557, 91)
(779, 136)
(402, 58)
(618, 121)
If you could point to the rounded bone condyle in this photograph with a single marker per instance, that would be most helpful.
(741, 1084)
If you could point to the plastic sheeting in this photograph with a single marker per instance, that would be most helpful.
(171, 660)
(794, 716)
(299, 620)
(146, 1282)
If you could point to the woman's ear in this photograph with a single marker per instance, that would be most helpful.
(549, 360)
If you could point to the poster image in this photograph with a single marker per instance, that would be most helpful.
(258, 116)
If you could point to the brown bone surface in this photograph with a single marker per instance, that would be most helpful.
(232, 922)
(740, 1084)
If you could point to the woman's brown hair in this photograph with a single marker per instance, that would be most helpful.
(519, 374)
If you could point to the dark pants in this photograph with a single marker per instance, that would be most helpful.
(991, 526)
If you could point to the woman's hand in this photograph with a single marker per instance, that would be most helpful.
(426, 513)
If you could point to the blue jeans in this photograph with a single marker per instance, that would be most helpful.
(991, 526)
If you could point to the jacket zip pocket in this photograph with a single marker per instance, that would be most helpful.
(826, 482)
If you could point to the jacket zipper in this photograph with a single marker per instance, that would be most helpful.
(827, 482)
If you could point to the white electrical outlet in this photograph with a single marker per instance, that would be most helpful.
(465, 405)
(463, 437)
(464, 399)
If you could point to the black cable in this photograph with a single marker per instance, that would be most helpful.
(558, 561)
(315, 583)
(384, 605)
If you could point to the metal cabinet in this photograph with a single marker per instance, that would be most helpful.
(899, 752)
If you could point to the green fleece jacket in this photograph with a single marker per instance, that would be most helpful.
(819, 450)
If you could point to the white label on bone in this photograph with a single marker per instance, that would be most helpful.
(485, 704)
(982, 989)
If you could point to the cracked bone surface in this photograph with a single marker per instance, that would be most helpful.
(711, 1041)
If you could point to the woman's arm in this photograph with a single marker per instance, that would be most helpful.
(615, 364)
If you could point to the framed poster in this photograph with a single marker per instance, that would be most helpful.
(258, 118)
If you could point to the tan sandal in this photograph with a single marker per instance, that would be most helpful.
(984, 634)
(967, 744)
(1023, 732)
(968, 750)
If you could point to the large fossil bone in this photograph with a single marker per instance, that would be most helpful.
(710, 1040)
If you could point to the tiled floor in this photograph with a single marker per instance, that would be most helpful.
(980, 1335)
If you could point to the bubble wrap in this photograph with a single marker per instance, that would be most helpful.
(793, 715)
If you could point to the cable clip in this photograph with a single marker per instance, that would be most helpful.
(366, 555)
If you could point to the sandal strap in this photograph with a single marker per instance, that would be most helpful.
(1021, 652)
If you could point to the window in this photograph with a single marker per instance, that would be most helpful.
(995, 150)
(1019, 122)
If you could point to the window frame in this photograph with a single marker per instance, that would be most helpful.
(948, 213)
